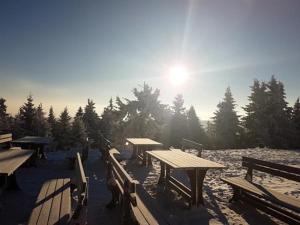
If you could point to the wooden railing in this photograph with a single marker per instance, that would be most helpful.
(188, 144)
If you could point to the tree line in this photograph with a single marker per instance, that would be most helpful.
(268, 120)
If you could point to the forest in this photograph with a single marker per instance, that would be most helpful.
(268, 120)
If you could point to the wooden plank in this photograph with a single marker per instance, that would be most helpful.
(290, 176)
(273, 210)
(55, 208)
(191, 144)
(46, 208)
(143, 141)
(183, 160)
(39, 204)
(5, 138)
(146, 213)
(65, 207)
(12, 159)
(285, 168)
(81, 178)
(274, 196)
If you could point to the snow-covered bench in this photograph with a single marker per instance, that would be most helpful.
(132, 203)
(53, 205)
(282, 206)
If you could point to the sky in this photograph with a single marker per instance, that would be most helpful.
(64, 52)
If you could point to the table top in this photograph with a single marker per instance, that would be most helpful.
(143, 141)
(33, 140)
(182, 160)
(11, 159)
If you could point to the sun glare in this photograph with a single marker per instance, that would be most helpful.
(178, 75)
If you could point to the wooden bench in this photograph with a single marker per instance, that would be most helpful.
(188, 144)
(132, 203)
(54, 202)
(5, 140)
(281, 206)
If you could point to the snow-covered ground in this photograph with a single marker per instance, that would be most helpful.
(217, 209)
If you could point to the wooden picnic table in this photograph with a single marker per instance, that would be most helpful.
(33, 142)
(141, 145)
(194, 166)
(10, 160)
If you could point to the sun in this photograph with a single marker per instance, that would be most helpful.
(178, 75)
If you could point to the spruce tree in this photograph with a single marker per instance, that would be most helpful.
(5, 119)
(195, 129)
(296, 124)
(41, 127)
(92, 122)
(142, 116)
(79, 134)
(64, 130)
(178, 125)
(79, 113)
(109, 121)
(279, 124)
(52, 122)
(256, 119)
(26, 117)
(226, 122)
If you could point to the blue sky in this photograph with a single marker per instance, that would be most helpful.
(64, 52)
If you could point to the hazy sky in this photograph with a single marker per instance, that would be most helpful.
(64, 52)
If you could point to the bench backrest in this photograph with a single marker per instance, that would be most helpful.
(188, 144)
(80, 180)
(288, 172)
(120, 174)
(4, 138)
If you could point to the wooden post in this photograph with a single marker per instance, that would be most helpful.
(249, 174)
(162, 172)
(167, 177)
(126, 218)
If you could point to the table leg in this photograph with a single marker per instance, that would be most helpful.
(167, 177)
(43, 156)
(134, 152)
(144, 157)
(162, 172)
(11, 182)
(196, 178)
(149, 161)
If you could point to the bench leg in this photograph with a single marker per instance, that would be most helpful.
(237, 194)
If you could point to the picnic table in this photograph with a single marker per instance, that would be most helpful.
(33, 142)
(194, 166)
(10, 160)
(141, 145)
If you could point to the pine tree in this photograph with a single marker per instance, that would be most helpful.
(178, 126)
(40, 124)
(64, 129)
(279, 124)
(226, 122)
(5, 119)
(26, 117)
(52, 122)
(141, 117)
(79, 113)
(195, 129)
(92, 122)
(79, 134)
(296, 124)
(256, 119)
(109, 121)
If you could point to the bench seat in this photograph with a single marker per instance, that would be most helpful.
(53, 205)
(268, 194)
